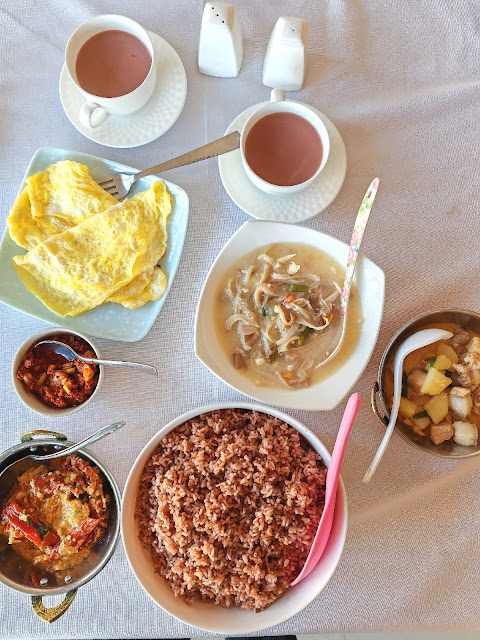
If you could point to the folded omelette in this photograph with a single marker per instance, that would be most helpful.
(110, 255)
(54, 200)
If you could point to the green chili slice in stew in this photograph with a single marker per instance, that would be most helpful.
(299, 287)
(304, 335)
(422, 414)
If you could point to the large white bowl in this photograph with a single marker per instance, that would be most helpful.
(328, 393)
(210, 617)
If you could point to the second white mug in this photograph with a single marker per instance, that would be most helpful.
(278, 104)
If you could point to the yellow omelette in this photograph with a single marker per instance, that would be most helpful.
(149, 285)
(110, 255)
(54, 200)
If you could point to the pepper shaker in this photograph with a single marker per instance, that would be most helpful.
(220, 50)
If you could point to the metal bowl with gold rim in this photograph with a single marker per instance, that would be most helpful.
(16, 571)
(443, 319)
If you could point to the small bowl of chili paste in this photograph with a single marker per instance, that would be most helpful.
(47, 382)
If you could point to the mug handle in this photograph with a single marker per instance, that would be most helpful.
(92, 115)
(50, 614)
(277, 95)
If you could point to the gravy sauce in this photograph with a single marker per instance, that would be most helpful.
(317, 346)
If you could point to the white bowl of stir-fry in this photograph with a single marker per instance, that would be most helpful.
(269, 315)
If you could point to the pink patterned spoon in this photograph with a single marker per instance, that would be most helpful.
(333, 473)
(355, 242)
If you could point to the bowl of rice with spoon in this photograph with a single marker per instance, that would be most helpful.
(219, 513)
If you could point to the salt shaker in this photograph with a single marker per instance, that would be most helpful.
(286, 58)
(220, 50)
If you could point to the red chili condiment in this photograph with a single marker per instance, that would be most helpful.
(23, 521)
(54, 380)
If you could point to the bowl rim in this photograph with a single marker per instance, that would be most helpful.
(113, 543)
(31, 401)
(378, 386)
(290, 399)
(129, 526)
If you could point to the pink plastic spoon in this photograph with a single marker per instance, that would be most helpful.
(333, 473)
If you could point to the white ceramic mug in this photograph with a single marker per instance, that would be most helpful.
(279, 104)
(97, 109)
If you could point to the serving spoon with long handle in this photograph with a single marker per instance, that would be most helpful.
(98, 435)
(412, 343)
(333, 474)
(355, 242)
(70, 354)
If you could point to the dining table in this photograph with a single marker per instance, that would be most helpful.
(401, 83)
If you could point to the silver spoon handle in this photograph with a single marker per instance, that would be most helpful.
(210, 150)
(119, 363)
(102, 433)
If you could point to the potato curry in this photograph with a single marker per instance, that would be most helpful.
(441, 388)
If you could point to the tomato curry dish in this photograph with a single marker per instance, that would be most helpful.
(54, 380)
(56, 513)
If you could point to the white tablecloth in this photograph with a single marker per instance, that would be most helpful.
(400, 81)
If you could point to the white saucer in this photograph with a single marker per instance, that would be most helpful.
(297, 207)
(147, 124)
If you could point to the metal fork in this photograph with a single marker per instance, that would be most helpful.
(119, 184)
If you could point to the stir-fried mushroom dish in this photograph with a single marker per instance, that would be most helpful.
(441, 389)
(283, 313)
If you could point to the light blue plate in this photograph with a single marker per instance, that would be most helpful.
(108, 320)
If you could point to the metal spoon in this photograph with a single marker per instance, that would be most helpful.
(105, 431)
(355, 242)
(98, 435)
(416, 341)
(70, 354)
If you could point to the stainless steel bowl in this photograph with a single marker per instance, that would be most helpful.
(448, 449)
(14, 570)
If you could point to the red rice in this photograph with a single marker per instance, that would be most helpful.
(228, 505)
